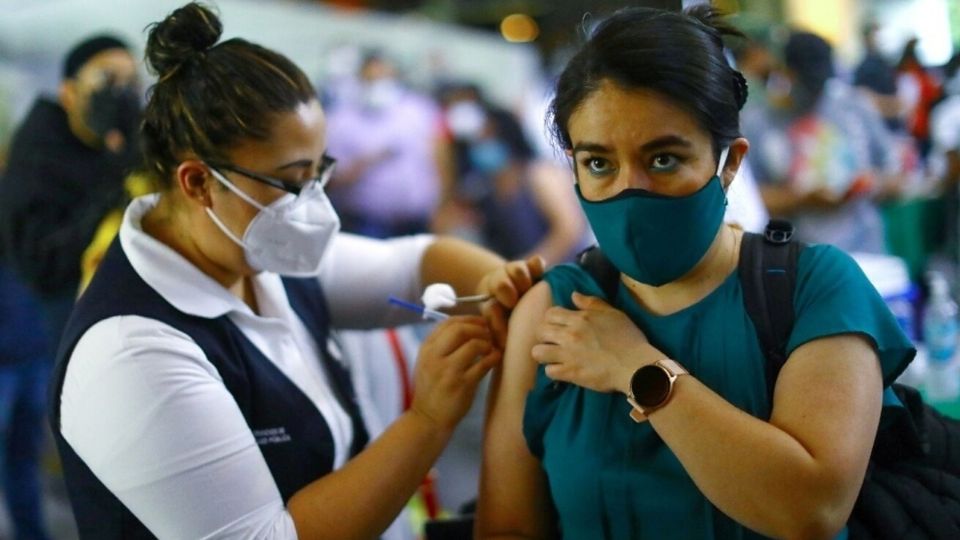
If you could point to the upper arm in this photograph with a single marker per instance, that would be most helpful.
(149, 415)
(514, 497)
(828, 397)
(844, 347)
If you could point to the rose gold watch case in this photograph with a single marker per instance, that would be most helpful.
(673, 370)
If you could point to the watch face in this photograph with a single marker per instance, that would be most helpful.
(650, 386)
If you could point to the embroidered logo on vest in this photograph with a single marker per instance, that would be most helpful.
(276, 435)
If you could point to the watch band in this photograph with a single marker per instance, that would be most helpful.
(671, 370)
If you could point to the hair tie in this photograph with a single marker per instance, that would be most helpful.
(740, 90)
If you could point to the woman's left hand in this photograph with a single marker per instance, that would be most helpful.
(596, 347)
(506, 284)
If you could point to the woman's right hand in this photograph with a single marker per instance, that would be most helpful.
(595, 346)
(452, 361)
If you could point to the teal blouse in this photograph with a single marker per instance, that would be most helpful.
(614, 479)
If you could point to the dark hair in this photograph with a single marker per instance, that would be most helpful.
(82, 52)
(372, 56)
(679, 55)
(810, 57)
(210, 97)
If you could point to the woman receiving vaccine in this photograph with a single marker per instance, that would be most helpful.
(646, 415)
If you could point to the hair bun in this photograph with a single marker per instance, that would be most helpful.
(185, 35)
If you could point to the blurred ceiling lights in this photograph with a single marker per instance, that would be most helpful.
(519, 28)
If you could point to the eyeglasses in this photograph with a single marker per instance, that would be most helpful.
(327, 164)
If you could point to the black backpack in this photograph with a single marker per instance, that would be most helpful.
(912, 486)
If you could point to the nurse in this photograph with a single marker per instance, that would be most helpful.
(198, 391)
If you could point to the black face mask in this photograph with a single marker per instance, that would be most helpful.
(114, 107)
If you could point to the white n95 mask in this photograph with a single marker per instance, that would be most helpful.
(290, 235)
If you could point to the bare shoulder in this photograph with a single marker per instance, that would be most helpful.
(518, 368)
(531, 308)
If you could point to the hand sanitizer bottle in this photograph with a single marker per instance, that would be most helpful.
(940, 333)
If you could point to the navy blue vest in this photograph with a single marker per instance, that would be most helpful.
(267, 398)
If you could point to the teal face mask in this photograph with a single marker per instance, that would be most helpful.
(653, 238)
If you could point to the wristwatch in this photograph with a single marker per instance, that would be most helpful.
(651, 387)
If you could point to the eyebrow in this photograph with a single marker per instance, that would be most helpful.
(300, 163)
(667, 141)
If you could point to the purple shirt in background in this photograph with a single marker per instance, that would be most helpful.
(405, 186)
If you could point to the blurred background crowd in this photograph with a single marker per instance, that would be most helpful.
(435, 112)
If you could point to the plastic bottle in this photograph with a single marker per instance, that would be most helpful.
(940, 333)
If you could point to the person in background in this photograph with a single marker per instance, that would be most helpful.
(945, 127)
(136, 184)
(919, 90)
(24, 370)
(755, 59)
(648, 109)
(878, 79)
(12, 82)
(822, 154)
(520, 203)
(67, 161)
(388, 144)
(944, 156)
(198, 391)
(64, 172)
(512, 202)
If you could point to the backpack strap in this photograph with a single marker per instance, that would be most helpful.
(768, 276)
(595, 263)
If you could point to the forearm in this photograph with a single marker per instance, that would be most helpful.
(756, 473)
(556, 246)
(446, 169)
(365, 496)
(461, 264)
(565, 219)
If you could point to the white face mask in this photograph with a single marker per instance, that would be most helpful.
(466, 119)
(381, 93)
(289, 236)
